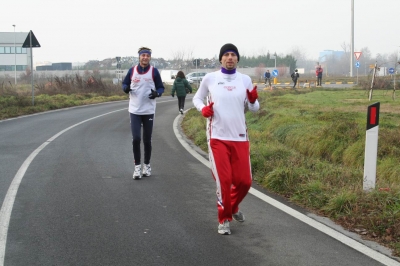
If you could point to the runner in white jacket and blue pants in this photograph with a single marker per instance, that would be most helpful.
(143, 84)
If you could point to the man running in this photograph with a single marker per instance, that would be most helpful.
(228, 92)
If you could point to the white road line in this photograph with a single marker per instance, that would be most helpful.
(8, 203)
(298, 215)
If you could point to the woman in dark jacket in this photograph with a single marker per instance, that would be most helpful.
(181, 87)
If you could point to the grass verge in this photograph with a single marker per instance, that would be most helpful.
(309, 147)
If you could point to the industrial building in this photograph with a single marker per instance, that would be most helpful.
(12, 55)
(55, 66)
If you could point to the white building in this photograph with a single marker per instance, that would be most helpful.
(11, 52)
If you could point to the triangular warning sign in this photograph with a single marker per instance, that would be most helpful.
(27, 43)
(357, 55)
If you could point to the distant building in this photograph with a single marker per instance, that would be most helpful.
(11, 52)
(44, 67)
(55, 66)
(329, 55)
(62, 66)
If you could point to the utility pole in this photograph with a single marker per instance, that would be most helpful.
(352, 38)
(15, 59)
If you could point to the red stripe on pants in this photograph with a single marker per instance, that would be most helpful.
(230, 166)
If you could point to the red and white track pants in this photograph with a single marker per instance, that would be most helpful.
(230, 167)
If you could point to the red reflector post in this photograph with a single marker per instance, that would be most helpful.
(373, 115)
(372, 119)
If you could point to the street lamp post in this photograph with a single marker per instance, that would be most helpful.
(273, 57)
(352, 38)
(15, 58)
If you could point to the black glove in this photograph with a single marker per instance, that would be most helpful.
(126, 88)
(153, 94)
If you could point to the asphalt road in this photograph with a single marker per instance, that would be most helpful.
(69, 199)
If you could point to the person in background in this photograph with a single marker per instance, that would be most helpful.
(143, 84)
(267, 77)
(227, 93)
(295, 75)
(318, 74)
(181, 87)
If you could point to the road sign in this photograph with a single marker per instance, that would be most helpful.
(391, 70)
(357, 55)
(27, 42)
(357, 64)
(275, 72)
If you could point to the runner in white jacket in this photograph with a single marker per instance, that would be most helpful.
(226, 94)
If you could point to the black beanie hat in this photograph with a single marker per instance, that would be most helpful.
(228, 47)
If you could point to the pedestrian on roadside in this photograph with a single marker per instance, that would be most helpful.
(181, 86)
(267, 77)
(143, 84)
(318, 74)
(295, 75)
(227, 92)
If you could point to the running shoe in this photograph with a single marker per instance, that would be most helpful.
(146, 170)
(238, 216)
(136, 173)
(223, 229)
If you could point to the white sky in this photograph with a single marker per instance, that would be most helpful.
(82, 30)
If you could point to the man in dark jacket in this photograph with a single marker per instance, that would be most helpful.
(267, 77)
(181, 87)
(295, 75)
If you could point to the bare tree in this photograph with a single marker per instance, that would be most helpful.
(182, 59)
(301, 58)
(346, 47)
(298, 54)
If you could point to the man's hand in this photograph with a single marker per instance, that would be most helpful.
(252, 95)
(126, 88)
(207, 111)
(153, 94)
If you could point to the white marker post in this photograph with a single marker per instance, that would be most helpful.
(371, 147)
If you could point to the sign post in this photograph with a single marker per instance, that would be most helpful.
(275, 73)
(357, 56)
(391, 71)
(371, 147)
(31, 42)
(357, 66)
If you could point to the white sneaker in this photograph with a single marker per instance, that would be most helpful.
(223, 229)
(137, 172)
(181, 111)
(146, 170)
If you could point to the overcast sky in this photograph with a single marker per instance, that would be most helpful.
(82, 30)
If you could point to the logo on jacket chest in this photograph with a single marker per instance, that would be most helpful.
(229, 88)
(137, 79)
